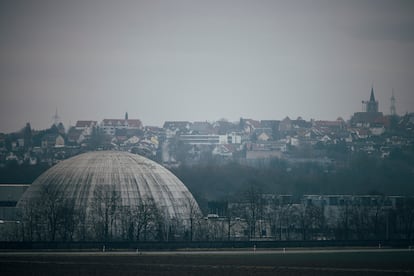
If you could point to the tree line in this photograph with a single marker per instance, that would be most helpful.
(52, 217)
(254, 216)
(360, 174)
(280, 217)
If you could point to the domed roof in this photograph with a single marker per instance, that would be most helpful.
(134, 178)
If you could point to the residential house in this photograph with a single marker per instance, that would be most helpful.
(86, 127)
(224, 150)
(263, 134)
(202, 128)
(330, 126)
(249, 125)
(53, 141)
(75, 136)
(285, 125)
(111, 126)
(300, 123)
(273, 125)
(172, 128)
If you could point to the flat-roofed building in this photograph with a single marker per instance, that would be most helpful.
(9, 196)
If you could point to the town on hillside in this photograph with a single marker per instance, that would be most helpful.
(248, 141)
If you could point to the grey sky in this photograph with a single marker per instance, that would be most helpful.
(201, 60)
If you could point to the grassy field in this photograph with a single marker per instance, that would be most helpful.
(326, 262)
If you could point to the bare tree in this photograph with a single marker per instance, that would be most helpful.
(212, 229)
(49, 216)
(230, 218)
(52, 209)
(30, 219)
(127, 223)
(144, 221)
(82, 228)
(194, 216)
(254, 210)
(405, 218)
(343, 221)
(278, 216)
(161, 225)
(145, 215)
(170, 227)
(104, 208)
(310, 219)
(377, 219)
(359, 219)
(68, 219)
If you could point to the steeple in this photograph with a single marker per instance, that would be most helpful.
(56, 118)
(372, 97)
(372, 104)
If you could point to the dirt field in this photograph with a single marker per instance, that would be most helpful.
(210, 263)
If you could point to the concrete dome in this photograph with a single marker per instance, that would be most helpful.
(134, 177)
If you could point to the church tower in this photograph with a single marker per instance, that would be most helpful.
(370, 116)
(372, 104)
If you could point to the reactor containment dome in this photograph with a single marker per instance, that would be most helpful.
(133, 177)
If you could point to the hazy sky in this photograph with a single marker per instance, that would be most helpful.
(201, 60)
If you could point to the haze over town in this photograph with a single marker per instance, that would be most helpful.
(201, 60)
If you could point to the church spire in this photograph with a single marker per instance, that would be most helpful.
(372, 97)
(372, 104)
(56, 118)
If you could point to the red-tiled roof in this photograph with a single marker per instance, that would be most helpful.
(134, 123)
(84, 124)
(122, 122)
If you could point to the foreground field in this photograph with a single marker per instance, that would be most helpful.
(298, 262)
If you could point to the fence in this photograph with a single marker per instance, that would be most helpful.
(177, 245)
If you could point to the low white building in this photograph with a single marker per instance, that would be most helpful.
(210, 139)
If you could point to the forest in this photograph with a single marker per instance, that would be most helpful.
(361, 174)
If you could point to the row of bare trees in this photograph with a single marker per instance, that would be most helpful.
(261, 220)
(264, 219)
(51, 217)
(48, 218)
(269, 217)
(255, 216)
(375, 222)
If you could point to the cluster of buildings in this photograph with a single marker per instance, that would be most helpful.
(247, 140)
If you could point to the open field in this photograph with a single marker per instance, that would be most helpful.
(270, 262)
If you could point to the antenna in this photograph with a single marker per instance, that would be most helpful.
(392, 108)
